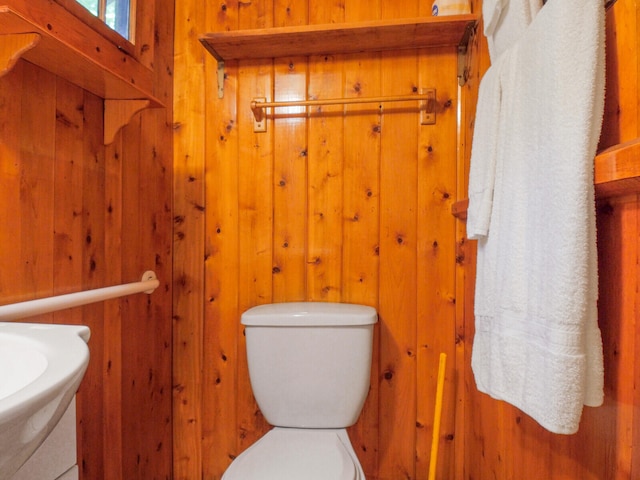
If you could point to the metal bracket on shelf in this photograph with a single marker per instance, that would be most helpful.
(220, 79)
(463, 54)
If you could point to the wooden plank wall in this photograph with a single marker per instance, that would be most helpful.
(342, 204)
(312, 210)
(500, 441)
(77, 215)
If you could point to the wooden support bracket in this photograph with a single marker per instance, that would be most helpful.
(118, 113)
(12, 46)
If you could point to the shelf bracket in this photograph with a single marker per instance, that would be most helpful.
(12, 47)
(220, 79)
(463, 54)
(118, 113)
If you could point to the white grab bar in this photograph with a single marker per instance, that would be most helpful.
(30, 308)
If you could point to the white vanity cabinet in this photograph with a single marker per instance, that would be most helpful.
(56, 458)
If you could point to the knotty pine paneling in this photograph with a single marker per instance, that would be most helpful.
(351, 204)
(622, 107)
(331, 204)
(78, 215)
(360, 259)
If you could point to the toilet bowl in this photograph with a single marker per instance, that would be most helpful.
(309, 367)
(292, 453)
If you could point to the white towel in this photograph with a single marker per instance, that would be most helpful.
(505, 22)
(537, 343)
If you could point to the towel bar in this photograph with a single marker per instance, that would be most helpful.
(427, 97)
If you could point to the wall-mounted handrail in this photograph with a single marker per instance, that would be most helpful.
(39, 306)
(257, 107)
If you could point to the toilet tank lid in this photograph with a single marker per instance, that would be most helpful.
(311, 314)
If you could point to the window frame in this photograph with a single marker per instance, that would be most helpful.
(134, 47)
(102, 15)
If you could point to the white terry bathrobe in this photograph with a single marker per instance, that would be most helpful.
(531, 206)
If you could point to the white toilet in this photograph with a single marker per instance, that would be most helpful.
(309, 366)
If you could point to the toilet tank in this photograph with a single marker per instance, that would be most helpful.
(310, 362)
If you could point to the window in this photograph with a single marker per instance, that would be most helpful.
(117, 14)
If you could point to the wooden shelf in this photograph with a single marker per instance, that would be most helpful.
(459, 209)
(617, 170)
(70, 49)
(617, 173)
(339, 38)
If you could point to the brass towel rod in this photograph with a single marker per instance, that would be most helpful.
(257, 107)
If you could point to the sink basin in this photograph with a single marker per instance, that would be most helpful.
(41, 367)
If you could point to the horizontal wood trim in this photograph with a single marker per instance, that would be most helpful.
(90, 61)
(99, 25)
(338, 38)
(617, 170)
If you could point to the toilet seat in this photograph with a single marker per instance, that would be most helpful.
(293, 454)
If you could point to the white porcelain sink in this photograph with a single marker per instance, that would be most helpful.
(41, 366)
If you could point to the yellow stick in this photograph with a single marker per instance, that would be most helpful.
(436, 417)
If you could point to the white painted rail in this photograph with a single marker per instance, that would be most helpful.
(16, 311)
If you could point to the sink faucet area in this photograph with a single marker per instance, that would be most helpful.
(41, 367)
